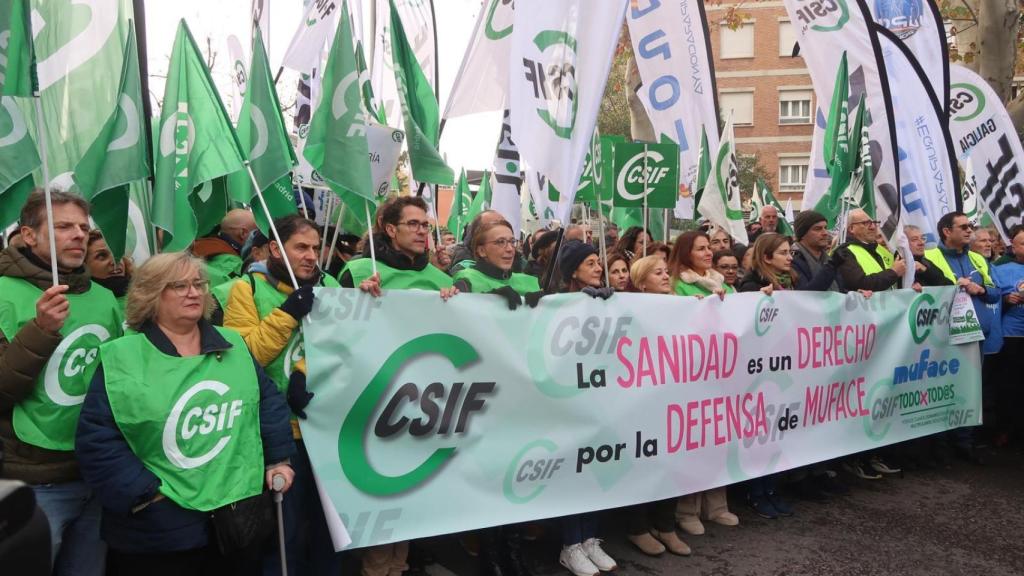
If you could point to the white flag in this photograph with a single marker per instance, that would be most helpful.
(985, 136)
(382, 76)
(482, 81)
(239, 74)
(789, 212)
(928, 187)
(507, 182)
(309, 40)
(559, 60)
(720, 202)
(678, 92)
(918, 24)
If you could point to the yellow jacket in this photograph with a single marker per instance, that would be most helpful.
(266, 337)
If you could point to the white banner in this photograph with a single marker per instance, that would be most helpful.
(824, 30)
(507, 181)
(918, 25)
(319, 22)
(559, 61)
(671, 50)
(482, 82)
(984, 135)
(928, 179)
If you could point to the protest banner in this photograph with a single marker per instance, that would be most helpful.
(464, 414)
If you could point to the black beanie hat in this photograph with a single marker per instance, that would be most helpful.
(805, 221)
(573, 253)
(543, 241)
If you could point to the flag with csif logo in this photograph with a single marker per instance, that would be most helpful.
(196, 141)
(117, 157)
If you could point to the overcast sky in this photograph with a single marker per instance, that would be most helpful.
(216, 20)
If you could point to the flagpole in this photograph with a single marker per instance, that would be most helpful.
(46, 186)
(334, 240)
(601, 242)
(273, 227)
(646, 234)
(437, 218)
(664, 223)
(327, 221)
(369, 226)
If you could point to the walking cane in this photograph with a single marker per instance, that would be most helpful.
(276, 484)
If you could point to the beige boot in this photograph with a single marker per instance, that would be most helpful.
(672, 542)
(647, 544)
(716, 507)
(688, 514)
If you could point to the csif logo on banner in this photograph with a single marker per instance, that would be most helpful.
(823, 15)
(553, 76)
(923, 314)
(446, 410)
(901, 17)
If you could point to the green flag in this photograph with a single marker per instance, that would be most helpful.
(460, 202)
(210, 202)
(18, 158)
(419, 109)
(117, 156)
(262, 134)
(16, 63)
(703, 170)
(336, 144)
(196, 144)
(768, 199)
(482, 200)
(862, 192)
(837, 147)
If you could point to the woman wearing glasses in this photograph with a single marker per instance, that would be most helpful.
(494, 252)
(179, 421)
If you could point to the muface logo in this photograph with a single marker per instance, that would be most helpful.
(553, 76)
(902, 17)
(439, 403)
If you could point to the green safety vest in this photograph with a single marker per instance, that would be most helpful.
(936, 257)
(480, 282)
(193, 421)
(430, 278)
(267, 298)
(867, 262)
(686, 289)
(223, 267)
(48, 417)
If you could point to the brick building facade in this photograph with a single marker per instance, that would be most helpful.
(767, 90)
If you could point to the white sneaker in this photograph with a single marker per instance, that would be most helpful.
(603, 561)
(576, 561)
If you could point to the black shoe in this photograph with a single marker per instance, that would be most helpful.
(808, 489)
(830, 483)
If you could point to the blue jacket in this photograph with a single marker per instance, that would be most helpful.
(121, 481)
(986, 305)
(1010, 279)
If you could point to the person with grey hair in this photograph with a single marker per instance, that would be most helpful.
(180, 426)
(46, 324)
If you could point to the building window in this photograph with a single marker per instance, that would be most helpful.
(1017, 87)
(793, 174)
(787, 38)
(795, 106)
(738, 43)
(740, 104)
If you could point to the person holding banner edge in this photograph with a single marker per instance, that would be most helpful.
(267, 312)
(494, 251)
(41, 319)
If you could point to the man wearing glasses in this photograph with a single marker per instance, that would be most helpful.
(49, 337)
(863, 263)
(968, 270)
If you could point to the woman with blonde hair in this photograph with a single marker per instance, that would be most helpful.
(180, 428)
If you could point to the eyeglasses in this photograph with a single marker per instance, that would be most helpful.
(870, 223)
(966, 227)
(505, 243)
(180, 288)
(416, 225)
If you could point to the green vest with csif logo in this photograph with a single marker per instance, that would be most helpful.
(479, 282)
(430, 278)
(267, 298)
(49, 415)
(196, 426)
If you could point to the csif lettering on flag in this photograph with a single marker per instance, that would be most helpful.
(821, 26)
(117, 157)
(927, 164)
(307, 43)
(196, 142)
(558, 64)
(671, 45)
(646, 174)
(986, 137)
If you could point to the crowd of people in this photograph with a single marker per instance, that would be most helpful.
(103, 368)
